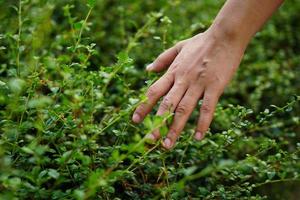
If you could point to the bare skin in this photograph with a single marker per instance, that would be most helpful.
(201, 67)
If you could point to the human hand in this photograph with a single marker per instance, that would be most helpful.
(197, 68)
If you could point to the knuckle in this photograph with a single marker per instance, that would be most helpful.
(201, 71)
(151, 91)
(182, 109)
(140, 110)
(173, 134)
(166, 103)
(169, 76)
(205, 108)
(180, 83)
(205, 63)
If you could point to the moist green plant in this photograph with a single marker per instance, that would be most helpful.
(72, 72)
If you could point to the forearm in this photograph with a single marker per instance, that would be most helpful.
(239, 20)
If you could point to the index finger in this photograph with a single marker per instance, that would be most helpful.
(154, 93)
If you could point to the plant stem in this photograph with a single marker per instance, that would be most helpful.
(140, 32)
(19, 37)
(143, 156)
(82, 27)
(276, 181)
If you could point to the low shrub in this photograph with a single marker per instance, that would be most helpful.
(72, 72)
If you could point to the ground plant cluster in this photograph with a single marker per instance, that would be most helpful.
(72, 72)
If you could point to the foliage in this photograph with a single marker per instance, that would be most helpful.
(66, 104)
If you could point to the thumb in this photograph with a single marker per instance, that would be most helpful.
(164, 60)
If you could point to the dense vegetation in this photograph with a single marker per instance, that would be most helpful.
(72, 72)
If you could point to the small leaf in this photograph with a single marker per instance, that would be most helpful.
(53, 173)
(2, 83)
(163, 130)
(27, 150)
(133, 101)
(158, 121)
(91, 3)
(148, 123)
(190, 170)
(40, 102)
(271, 174)
(16, 85)
(14, 182)
(79, 194)
(78, 25)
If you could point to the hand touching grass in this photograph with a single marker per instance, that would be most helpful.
(197, 68)
(202, 66)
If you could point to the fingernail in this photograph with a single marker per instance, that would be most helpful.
(198, 135)
(149, 67)
(150, 138)
(167, 143)
(136, 118)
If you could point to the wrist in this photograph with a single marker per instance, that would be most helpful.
(228, 34)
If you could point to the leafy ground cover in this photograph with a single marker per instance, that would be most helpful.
(72, 72)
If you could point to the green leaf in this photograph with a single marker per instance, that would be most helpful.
(79, 194)
(16, 85)
(148, 123)
(133, 101)
(190, 170)
(27, 150)
(158, 121)
(123, 58)
(91, 3)
(53, 173)
(78, 25)
(14, 182)
(2, 83)
(271, 174)
(40, 102)
(163, 130)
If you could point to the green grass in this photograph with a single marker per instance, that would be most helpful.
(72, 72)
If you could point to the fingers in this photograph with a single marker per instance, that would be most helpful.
(164, 60)
(155, 91)
(207, 110)
(169, 103)
(182, 113)
(171, 100)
